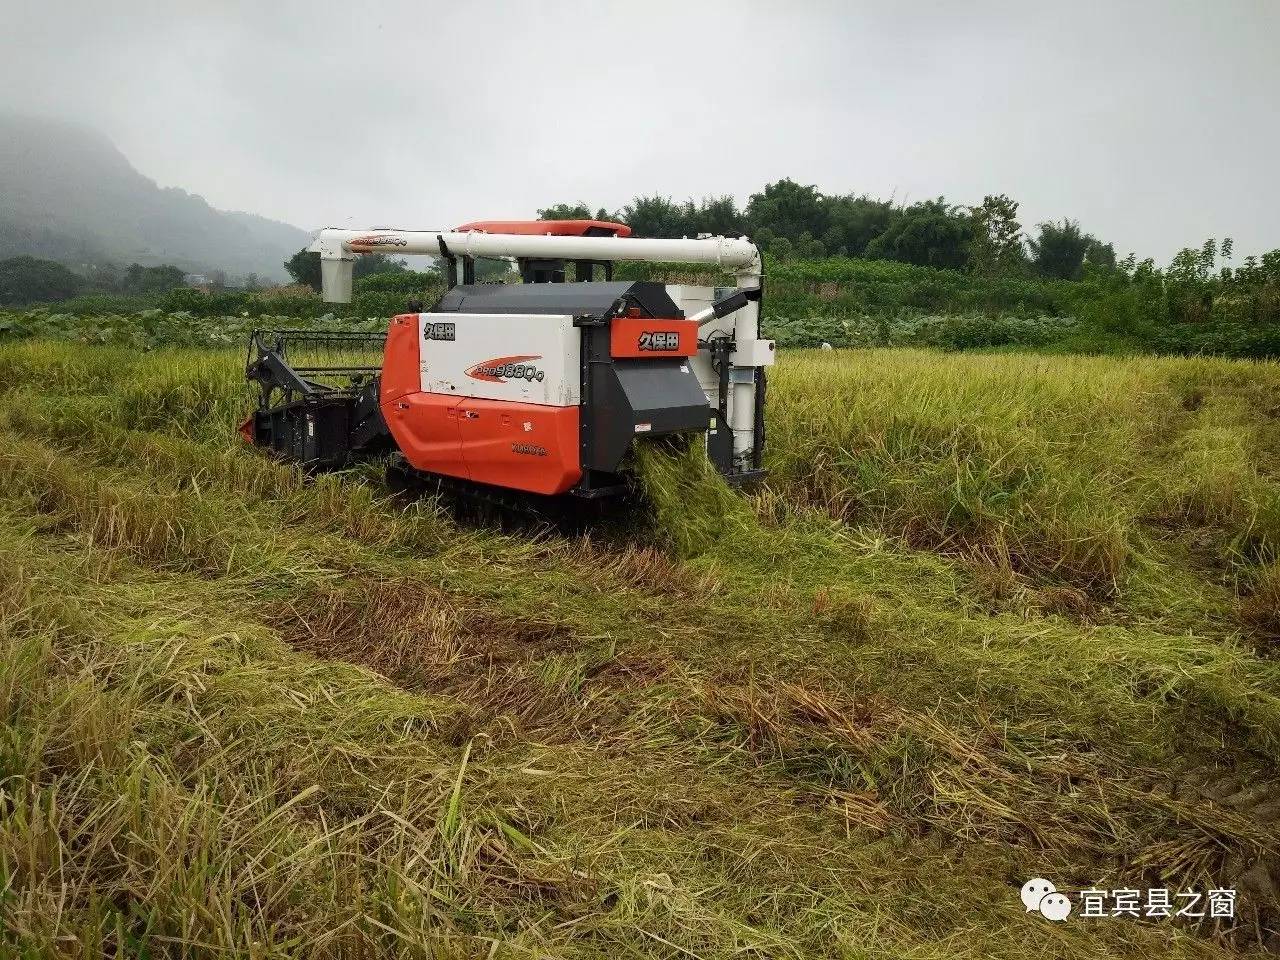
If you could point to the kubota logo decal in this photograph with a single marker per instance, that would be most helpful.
(378, 241)
(659, 340)
(502, 369)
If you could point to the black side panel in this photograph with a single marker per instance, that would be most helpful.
(312, 431)
(664, 394)
(325, 430)
(655, 395)
(369, 433)
(591, 298)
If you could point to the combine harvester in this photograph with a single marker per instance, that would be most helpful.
(531, 391)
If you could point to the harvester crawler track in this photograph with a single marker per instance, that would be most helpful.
(509, 510)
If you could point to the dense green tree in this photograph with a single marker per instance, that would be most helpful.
(718, 216)
(1100, 256)
(658, 216)
(854, 223)
(788, 209)
(996, 245)
(138, 279)
(934, 233)
(568, 211)
(375, 263)
(25, 280)
(304, 268)
(1060, 249)
(1196, 265)
(780, 248)
(807, 248)
(104, 276)
(931, 233)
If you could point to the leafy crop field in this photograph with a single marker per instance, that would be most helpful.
(161, 328)
(151, 329)
(995, 617)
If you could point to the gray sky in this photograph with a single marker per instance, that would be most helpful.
(1156, 124)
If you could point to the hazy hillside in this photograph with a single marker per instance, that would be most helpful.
(67, 193)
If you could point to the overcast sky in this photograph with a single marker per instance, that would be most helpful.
(1155, 124)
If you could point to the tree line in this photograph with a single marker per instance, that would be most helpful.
(26, 280)
(831, 255)
(789, 220)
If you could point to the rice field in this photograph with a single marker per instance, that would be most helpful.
(994, 617)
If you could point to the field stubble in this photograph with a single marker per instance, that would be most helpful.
(995, 617)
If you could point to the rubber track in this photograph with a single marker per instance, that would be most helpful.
(512, 510)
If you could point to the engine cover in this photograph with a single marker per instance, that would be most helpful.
(492, 398)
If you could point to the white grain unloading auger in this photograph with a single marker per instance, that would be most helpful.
(541, 386)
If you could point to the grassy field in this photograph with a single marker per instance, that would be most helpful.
(995, 617)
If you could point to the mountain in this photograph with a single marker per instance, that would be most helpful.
(67, 194)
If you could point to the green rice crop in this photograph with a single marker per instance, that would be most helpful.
(992, 618)
(1070, 468)
(693, 507)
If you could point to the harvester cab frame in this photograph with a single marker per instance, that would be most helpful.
(540, 387)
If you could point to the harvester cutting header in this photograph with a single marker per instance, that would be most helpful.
(540, 386)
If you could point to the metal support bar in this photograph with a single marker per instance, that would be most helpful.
(450, 266)
(720, 442)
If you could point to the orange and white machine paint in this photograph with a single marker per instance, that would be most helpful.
(480, 397)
